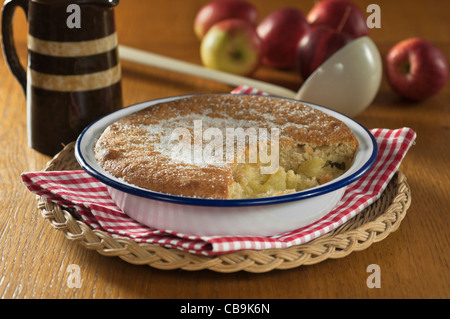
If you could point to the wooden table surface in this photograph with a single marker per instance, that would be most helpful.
(414, 260)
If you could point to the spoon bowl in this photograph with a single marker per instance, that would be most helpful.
(348, 81)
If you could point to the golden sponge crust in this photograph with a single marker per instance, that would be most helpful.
(135, 148)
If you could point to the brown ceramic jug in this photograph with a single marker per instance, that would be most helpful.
(73, 75)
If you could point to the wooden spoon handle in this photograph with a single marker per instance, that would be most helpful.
(162, 62)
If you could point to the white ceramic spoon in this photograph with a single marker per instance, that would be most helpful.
(347, 82)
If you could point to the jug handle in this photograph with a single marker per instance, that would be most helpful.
(9, 49)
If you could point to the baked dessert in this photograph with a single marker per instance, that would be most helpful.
(226, 146)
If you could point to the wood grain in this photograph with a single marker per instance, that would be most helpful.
(414, 260)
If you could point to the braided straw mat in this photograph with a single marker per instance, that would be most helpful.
(372, 225)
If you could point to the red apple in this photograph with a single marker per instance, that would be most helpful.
(220, 10)
(339, 14)
(316, 46)
(280, 32)
(416, 69)
(232, 46)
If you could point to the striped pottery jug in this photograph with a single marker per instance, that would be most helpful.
(73, 75)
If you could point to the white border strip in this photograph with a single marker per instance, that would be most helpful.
(73, 49)
(73, 83)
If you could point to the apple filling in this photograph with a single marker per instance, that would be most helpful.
(305, 168)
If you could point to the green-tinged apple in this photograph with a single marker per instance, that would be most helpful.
(219, 10)
(333, 13)
(232, 46)
(318, 45)
(416, 69)
(280, 32)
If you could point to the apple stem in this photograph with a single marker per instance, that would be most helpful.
(344, 19)
(405, 68)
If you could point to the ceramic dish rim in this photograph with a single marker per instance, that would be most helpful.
(113, 182)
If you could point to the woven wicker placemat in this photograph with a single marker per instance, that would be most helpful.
(372, 225)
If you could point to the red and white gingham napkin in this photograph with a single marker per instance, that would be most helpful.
(90, 198)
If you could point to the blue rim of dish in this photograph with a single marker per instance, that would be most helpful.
(308, 193)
